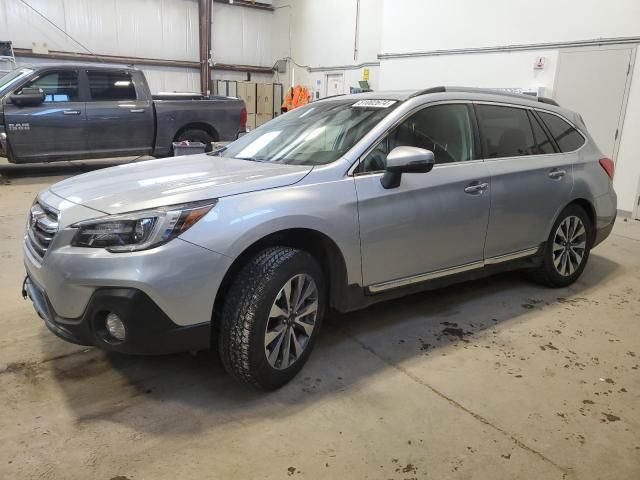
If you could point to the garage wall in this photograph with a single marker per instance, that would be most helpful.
(163, 29)
(323, 36)
(242, 35)
(413, 26)
(159, 29)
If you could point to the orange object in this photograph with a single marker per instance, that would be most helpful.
(296, 97)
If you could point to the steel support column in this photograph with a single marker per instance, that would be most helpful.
(204, 14)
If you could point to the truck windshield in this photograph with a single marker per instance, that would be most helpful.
(316, 134)
(13, 77)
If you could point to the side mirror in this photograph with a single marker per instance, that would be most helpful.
(406, 160)
(28, 97)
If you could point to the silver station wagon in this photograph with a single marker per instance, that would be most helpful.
(336, 205)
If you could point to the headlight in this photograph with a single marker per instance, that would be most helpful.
(139, 230)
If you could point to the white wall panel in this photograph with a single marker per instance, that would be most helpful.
(489, 70)
(416, 25)
(165, 29)
(242, 35)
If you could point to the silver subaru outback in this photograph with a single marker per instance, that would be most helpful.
(336, 205)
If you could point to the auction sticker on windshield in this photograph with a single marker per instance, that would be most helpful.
(372, 103)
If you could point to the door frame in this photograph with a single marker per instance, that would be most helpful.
(627, 87)
(326, 81)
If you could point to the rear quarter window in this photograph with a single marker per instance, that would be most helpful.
(567, 137)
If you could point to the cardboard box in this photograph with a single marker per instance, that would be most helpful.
(262, 118)
(247, 92)
(251, 121)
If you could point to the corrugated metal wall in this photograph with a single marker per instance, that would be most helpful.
(158, 29)
(242, 35)
(166, 29)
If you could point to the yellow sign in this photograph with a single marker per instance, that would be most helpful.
(365, 74)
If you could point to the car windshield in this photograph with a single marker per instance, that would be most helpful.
(13, 77)
(316, 134)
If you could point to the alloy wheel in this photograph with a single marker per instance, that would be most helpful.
(291, 321)
(569, 246)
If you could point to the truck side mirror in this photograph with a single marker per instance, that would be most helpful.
(406, 160)
(28, 97)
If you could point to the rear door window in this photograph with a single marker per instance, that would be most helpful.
(111, 85)
(567, 137)
(506, 131)
(59, 86)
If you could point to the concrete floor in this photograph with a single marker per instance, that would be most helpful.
(495, 379)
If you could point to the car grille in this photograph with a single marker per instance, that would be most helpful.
(42, 226)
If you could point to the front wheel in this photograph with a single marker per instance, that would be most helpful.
(567, 249)
(271, 317)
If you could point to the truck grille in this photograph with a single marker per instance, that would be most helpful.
(42, 226)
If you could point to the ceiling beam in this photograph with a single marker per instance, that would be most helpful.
(88, 57)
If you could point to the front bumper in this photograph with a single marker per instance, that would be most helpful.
(149, 330)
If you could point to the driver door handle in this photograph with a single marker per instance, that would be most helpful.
(476, 187)
(137, 110)
(557, 173)
(71, 112)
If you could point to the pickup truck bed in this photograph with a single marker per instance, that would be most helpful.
(70, 111)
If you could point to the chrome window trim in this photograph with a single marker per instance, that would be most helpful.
(352, 168)
(423, 277)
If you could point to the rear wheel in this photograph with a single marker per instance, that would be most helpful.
(567, 249)
(197, 135)
(272, 316)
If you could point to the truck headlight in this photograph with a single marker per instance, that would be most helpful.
(140, 230)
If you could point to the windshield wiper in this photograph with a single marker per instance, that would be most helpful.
(254, 159)
(217, 151)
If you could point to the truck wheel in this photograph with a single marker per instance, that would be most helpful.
(195, 135)
(271, 317)
(567, 249)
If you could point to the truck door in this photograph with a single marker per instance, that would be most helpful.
(119, 121)
(53, 129)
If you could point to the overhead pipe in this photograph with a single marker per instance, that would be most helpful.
(596, 42)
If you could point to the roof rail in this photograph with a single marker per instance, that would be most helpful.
(427, 91)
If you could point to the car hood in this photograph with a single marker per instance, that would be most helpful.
(171, 181)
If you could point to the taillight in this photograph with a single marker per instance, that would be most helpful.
(243, 119)
(608, 166)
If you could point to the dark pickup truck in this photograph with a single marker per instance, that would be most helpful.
(71, 111)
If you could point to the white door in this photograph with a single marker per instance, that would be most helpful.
(595, 83)
(335, 84)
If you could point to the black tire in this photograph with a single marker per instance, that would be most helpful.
(247, 310)
(196, 135)
(548, 274)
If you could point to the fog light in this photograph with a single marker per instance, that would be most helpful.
(115, 327)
